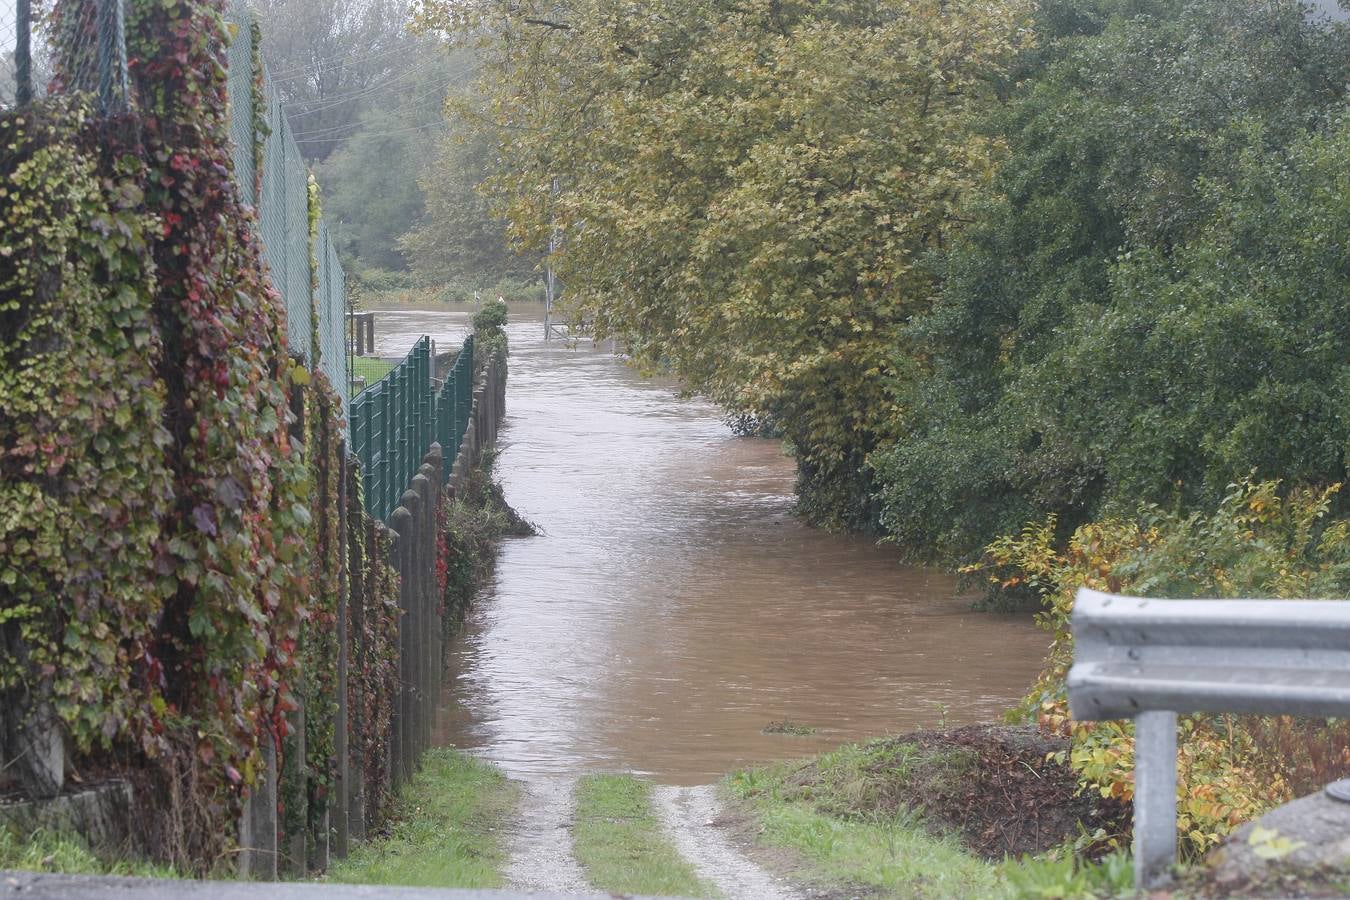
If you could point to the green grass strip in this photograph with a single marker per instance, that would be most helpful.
(448, 829)
(58, 851)
(371, 368)
(843, 844)
(618, 840)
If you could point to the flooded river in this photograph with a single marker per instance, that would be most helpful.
(672, 607)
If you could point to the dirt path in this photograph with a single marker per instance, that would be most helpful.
(693, 817)
(541, 848)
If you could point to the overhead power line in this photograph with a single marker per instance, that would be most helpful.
(423, 127)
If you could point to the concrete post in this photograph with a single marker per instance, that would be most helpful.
(31, 741)
(258, 826)
(401, 522)
(340, 803)
(410, 594)
(426, 485)
(358, 544)
(1155, 797)
(434, 465)
(291, 785)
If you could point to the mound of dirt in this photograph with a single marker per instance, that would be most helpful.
(993, 786)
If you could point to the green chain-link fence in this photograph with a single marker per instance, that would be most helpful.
(304, 266)
(91, 36)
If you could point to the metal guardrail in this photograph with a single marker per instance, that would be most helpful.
(1148, 660)
(395, 420)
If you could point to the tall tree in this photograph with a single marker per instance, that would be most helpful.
(458, 239)
(1143, 311)
(333, 60)
(745, 191)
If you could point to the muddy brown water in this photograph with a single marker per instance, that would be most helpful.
(673, 606)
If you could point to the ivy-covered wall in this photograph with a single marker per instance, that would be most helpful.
(172, 554)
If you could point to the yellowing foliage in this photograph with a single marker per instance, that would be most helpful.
(1260, 542)
(745, 192)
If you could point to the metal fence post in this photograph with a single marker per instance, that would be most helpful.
(112, 55)
(23, 53)
(1155, 796)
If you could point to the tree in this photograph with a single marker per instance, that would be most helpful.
(370, 191)
(1143, 311)
(745, 192)
(334, 60)
(458, 239)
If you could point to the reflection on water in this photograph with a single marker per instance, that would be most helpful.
(673, 606)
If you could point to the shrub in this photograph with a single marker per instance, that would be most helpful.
(1258, 542)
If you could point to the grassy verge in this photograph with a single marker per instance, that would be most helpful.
(55, 851)
(619, 842)
(843, 840)
(899, 818)
(371, 368)
(447, 829)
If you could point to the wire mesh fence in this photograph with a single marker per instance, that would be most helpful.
(303, 267)
(396, 419)
(76, 47)
(79, 46)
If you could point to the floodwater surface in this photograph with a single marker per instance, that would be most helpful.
(672, 607)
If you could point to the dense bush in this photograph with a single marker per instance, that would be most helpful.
(1254, 543)
(1152, 301)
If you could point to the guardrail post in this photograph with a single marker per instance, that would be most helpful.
(1155, 796)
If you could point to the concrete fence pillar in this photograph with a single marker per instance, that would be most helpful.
(339, 803)
(423, 487)
(401, 522)
(292, 791)
(433, 467)
(258, 826)
(358, 544)
(428, 490)
(32, 744)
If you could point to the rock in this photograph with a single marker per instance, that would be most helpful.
(1310, 836)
